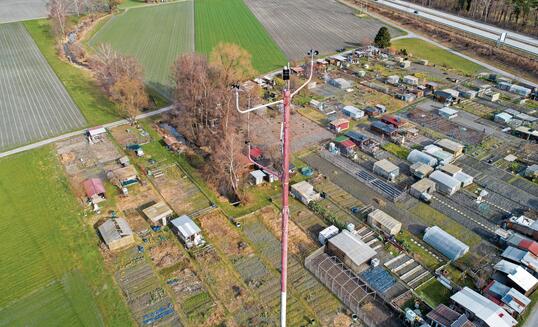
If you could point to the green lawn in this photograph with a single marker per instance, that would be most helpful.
(82, 88)
(52, 272)
(430, 217)
(418, 253)
(424, 50)
(231, 21)
(397, 150)
(155, 35)
(434, 293)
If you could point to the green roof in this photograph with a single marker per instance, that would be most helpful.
(341, 138)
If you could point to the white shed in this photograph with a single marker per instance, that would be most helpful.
(189, 233)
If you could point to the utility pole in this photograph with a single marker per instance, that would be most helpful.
(287, 96)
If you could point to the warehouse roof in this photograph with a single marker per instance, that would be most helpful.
(114, 229)
(186, 226)
(447, 180)
(483, 308)
(353, 247)
(386, 165)
(517, 274)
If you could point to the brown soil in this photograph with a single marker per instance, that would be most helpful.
(221, 231)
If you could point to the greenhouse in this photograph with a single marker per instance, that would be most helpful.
(445, 243)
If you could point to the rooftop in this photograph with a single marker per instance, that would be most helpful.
(450, 169)
(158, 211)
(442, 178)
(93, 186)
(386, 165)
(384, 219)
(450, 145)
(423, 185)
(446, 316)
(186, 226)
(114, 229)
(517, 274)
(486, 310)
(353, 247)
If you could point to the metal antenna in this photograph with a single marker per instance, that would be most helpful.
(287, 96)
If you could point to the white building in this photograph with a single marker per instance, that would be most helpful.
(386, 169)
(445, 183)
(448, 113)
(304, 192)
(410, 80)
(393, 79)
(482, 308)
(188, 232)
(352, 112)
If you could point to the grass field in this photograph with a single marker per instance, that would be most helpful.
(155, 35)
(396, 150)
(82, 88)
(424, 50)
(231, 21)
(434, 293)
(52, 272)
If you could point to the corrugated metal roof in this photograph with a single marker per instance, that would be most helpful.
(356, 136)
(450, 145)
(483, 308)
(525, 280)
(384, 219)
(353, 247)
(186, 226)
(114, 229)
(93, 186)
(445, 179)
(386, 128)
(352, 110)
(513, 254)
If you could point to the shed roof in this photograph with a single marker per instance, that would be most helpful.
(529, 245)
(446, 316)
(114, 229)
(384, 219)
(158, 211)
(445, 242)
(352, 109)
(186, 226)
(514, 254)
(448, 111)
(386, 165)
(339, 121)
(125, 173)
(353, 247)
(483, 308)
(356, 136)
(421, 167)
(386, 128)
(450, 145)
(445, 179)
(423, 185)
(347, 143)
(258, 174)
(451, 169)
(93, 186)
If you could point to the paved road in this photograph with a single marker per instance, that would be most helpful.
(79, 132)
(476, 61)
(473, 23)
(518, 41)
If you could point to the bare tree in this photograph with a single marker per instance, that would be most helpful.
(130, 95)
(205, 111)
(57, 16)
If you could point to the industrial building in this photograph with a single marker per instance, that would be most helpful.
(158, 213)
(450, 146)
(481, 308)
(384, 222)
(420, 170)
(423, 189)
(445, 243)
(445, 184)
(304, 192)
(417, 156)
(351, 250)
(116, 233)
(188, 232)
(386, 169)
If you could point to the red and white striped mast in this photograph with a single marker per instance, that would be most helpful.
(287, 96)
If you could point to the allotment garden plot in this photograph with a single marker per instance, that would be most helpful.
(155, 35)
(33, 102)
(299, 25)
